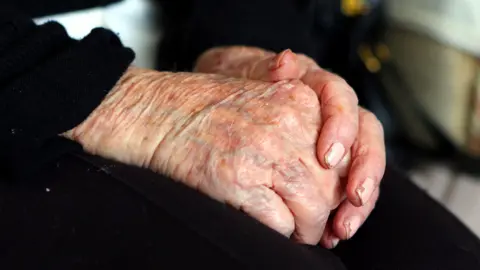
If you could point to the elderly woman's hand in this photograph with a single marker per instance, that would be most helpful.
(345, 126)
(250, 144)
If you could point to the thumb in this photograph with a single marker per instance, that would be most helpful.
(282, 66)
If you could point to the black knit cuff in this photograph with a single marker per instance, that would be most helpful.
(50, 83)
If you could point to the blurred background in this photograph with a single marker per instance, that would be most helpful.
(414, 63)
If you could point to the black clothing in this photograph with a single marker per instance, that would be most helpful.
(102, 215)
(49, 84)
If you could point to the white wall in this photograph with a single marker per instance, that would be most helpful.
(132, 20)
(453, 22)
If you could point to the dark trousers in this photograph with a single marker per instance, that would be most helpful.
(88, 213)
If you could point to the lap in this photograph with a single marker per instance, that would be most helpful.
(101, 215)
(88, 218)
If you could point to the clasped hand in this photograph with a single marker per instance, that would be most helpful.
(273, 135)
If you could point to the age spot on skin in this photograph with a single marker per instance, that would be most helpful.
(340, 108)
(222, 163)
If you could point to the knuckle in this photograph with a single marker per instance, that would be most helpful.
(336, 198)
(351, 122)
(305, 96)
(334, 94)
(330, 76)
(363, 150)
(332, 191)
(339, 102)
(358, 163)
(340, 82)
(374, 158)
(347, 121)
(285, 227)
(330, 89)
(286, 230)
(351, 94)
(315, 213)
(304, 91)
(334, 203)
(369, 117)
(372, 120)
(371, 124)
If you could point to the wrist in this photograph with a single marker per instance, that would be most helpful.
(117, 122)
(142, 113)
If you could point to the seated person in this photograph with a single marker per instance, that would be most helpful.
(272, 135)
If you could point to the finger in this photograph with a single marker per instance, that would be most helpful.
(368, 160)
(305, 196)
(329, 239)
(267, 207)
(339, 110)
(349, 218)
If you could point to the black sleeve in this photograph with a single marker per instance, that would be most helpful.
(49, 83)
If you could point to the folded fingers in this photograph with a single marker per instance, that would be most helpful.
(368, 160)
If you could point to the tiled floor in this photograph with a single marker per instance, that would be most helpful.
(458, 192)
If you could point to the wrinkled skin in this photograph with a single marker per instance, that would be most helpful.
(250, 144)
(344, 123)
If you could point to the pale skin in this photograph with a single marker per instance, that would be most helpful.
(345, 124)
(249, 143)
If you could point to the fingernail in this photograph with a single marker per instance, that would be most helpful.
(334, 155)
(365, 190)
(335, 242)
(351, 226)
